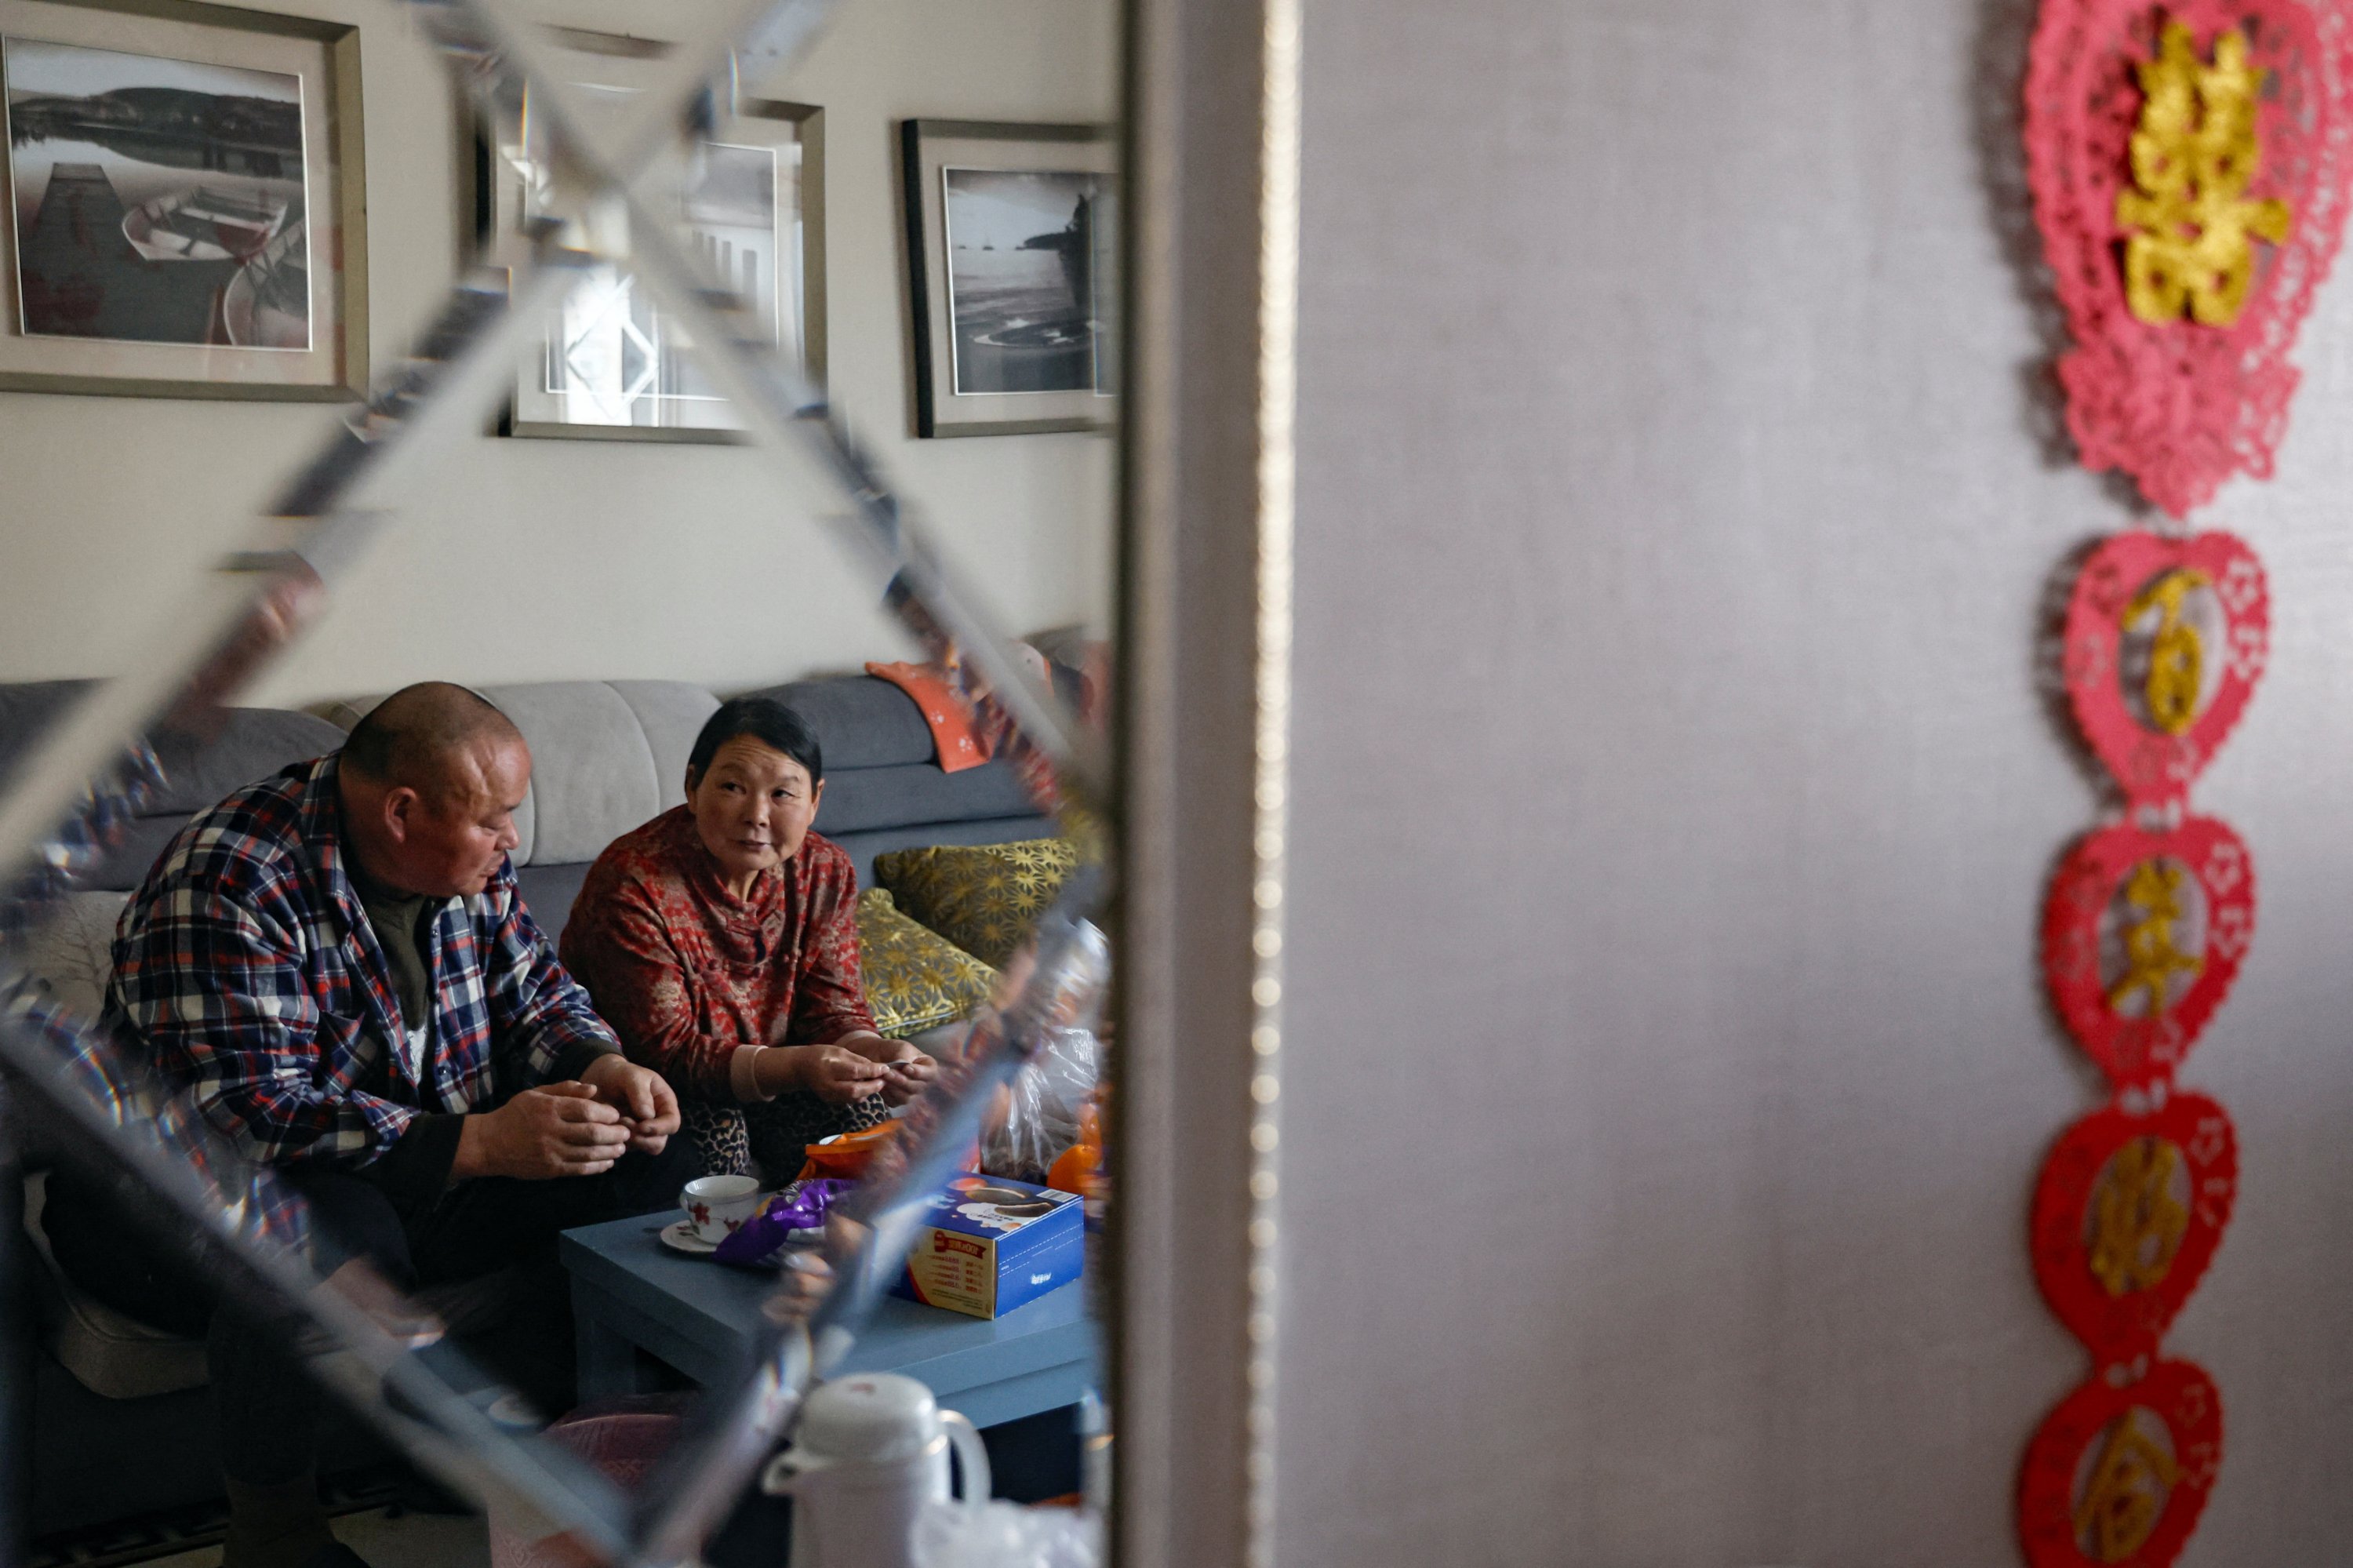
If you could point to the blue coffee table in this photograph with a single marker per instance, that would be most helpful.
(631, 1293)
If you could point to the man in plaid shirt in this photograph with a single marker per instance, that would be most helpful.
(336, 962)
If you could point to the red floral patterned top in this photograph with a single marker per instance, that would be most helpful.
(687, 974)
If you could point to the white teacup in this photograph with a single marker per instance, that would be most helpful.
(718, 1205)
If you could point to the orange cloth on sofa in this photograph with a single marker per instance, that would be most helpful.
(944, 713)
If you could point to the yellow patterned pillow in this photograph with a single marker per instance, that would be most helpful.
(915, 979)
(983, 898)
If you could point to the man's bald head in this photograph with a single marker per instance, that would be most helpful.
(431, 737)
(430, 782)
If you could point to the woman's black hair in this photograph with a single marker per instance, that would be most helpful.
(765, 720)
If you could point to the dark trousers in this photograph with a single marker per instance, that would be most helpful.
(266, 1404)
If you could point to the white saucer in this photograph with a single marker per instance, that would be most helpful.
(679, 1235)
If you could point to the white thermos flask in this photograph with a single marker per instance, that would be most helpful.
(872, 1448)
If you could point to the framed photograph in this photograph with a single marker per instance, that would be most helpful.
(608, 365)
(1012, 276)
(185, 215)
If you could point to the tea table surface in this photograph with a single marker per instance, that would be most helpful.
(629, 1293)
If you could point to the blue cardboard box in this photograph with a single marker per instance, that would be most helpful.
(989, 1246)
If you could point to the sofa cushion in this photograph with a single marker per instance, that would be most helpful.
(858, 799)
(70, 956)
(862, 847)
(671, 713)
(860, 722)
(915, 979)
(143, 842)
(605, 756)
(71, 951)
(983, 898)
(548, 892)
(108, 1352)
(253, 743)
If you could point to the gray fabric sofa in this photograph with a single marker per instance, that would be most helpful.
(118, 1421)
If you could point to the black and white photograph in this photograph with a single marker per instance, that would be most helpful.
(1012, 276)
(156, 200)
(1021, 253)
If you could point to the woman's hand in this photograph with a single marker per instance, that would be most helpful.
(910, 1072)
(906, 1070)
(834, 1073)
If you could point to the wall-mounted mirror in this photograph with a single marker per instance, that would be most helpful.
(602, 1049)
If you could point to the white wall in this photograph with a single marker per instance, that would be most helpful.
(1667, 1072)
(543, 560)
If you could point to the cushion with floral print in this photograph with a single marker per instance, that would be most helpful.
(983, 898)
(915, 979)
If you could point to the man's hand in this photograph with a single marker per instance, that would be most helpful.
(834, 1073)
(648, 1110)
(557, 1129)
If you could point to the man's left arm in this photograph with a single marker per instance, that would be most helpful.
(544, 1029)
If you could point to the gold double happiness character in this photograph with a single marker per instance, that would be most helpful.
(2191, 229)
(2125, 1495)
(2137, 1221)
(2151, 959)
(2176, 653)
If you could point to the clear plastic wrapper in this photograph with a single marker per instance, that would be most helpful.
(1042, 1108)
(1040, 1117)
(1007, 1535)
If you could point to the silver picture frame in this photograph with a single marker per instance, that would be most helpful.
(607, 365)
(219, 252)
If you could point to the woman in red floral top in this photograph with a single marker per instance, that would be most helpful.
(720, 940)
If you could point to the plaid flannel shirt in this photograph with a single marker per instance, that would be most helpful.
(247, 966)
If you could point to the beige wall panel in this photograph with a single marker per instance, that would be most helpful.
(529, 560)
(1666, 1068)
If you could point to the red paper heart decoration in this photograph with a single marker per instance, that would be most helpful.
(2119, 1475)
(2126, 1217)
(2141, 938)
(2185, 264)
(2166, 639)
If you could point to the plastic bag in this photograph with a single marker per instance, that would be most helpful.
(1041, 1109)
(1037, 1119)
(845, 1155)
(1006, 1535)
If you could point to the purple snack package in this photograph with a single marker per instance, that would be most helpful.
(799, 1207)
